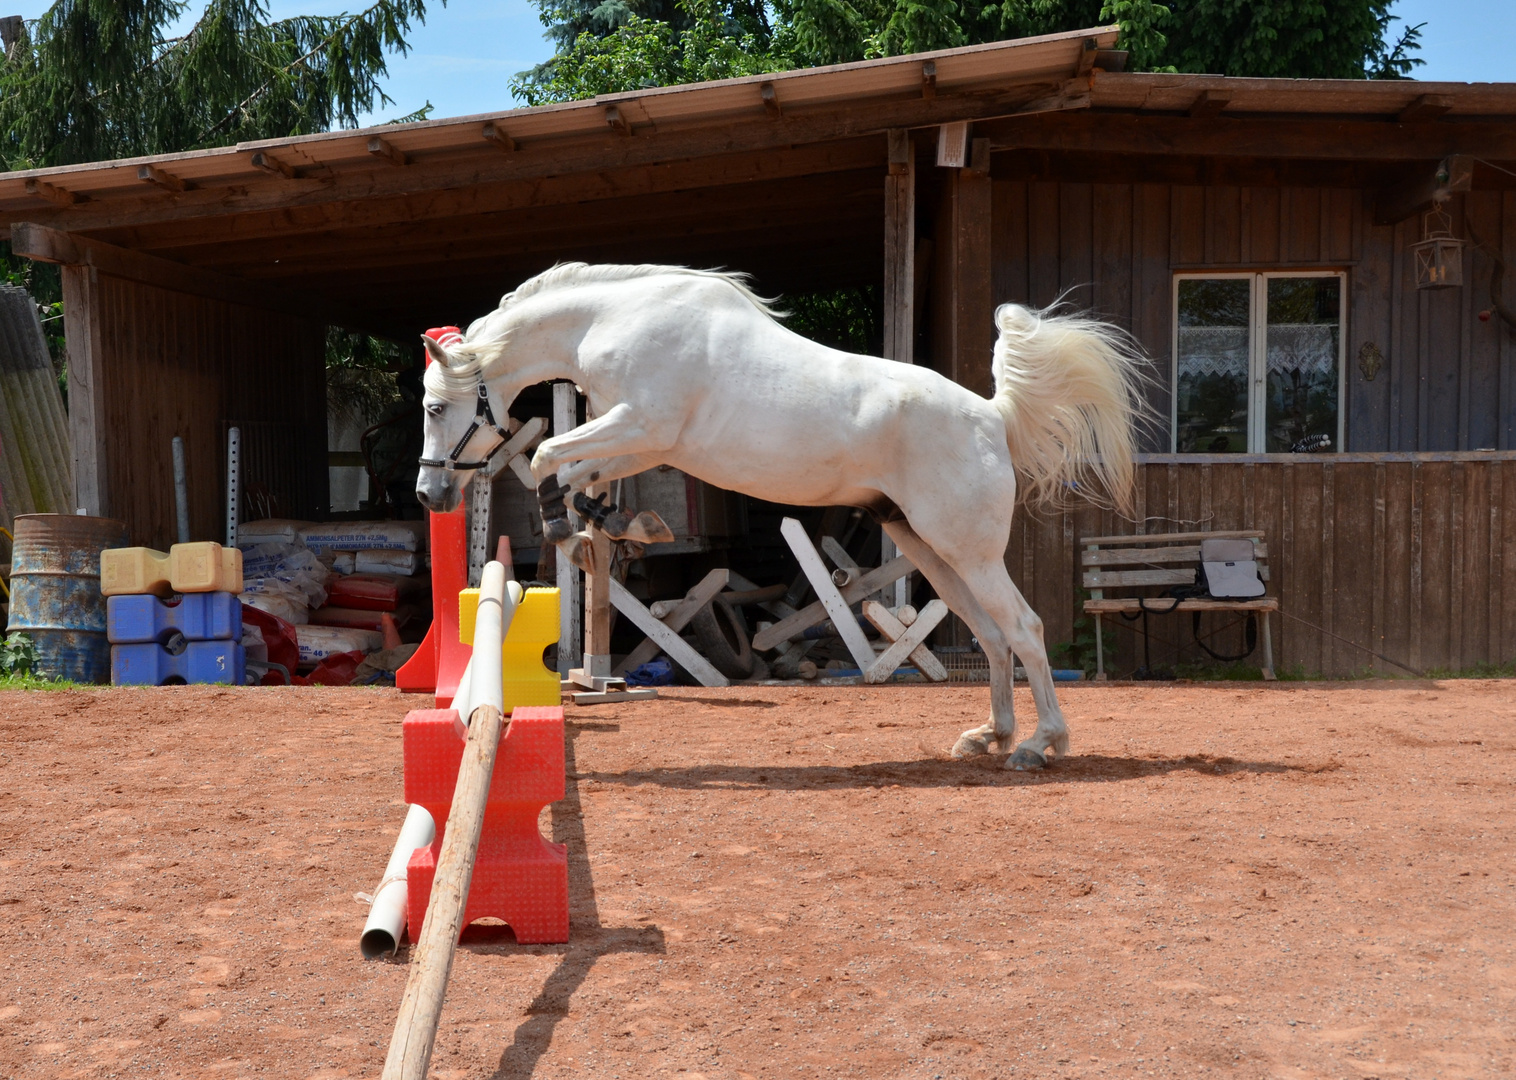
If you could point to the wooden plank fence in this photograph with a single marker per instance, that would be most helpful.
(1412, 555)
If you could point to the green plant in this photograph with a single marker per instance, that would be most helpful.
(18, 655)
(1482, 670)
(1080, 652)
(35, 682)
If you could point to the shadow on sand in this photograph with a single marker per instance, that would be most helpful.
(973, 772)
(590, 940)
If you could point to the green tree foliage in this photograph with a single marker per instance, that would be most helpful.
(98, 79)
(617, 45)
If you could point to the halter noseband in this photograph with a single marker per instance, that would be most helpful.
(483, 418)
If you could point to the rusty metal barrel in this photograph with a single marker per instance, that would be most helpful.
(55, 592)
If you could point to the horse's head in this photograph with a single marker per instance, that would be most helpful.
(459, 430)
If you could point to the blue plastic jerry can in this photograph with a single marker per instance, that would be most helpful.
(151, 664)
(214, 616)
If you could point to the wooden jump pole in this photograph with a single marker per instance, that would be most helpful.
(410, 1051)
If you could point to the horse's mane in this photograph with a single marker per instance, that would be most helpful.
(474, 359)
(578, 273)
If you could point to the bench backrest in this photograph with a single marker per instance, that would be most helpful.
(1114, 562)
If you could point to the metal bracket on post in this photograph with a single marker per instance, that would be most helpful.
(481, 498)
(233, 483)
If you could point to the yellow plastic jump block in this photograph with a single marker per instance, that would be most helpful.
(204, 566)
(533, 628)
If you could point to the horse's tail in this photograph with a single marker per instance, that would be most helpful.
(1069, 389)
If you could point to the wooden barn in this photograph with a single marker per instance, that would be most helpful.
(1311, 265)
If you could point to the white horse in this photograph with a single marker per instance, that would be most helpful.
(689, 368)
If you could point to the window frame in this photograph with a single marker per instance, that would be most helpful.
(1258, 301)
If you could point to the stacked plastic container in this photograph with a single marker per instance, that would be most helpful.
(174, 618)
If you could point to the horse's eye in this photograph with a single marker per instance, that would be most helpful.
(435, 408)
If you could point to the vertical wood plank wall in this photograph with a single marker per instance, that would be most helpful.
(175, 364)
(1404, 544)
(1411, 555)
(1448, 380)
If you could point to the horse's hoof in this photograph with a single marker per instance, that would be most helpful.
(579, 549)
(1026, 759)
(970, 745)
(556, 530)
(648, 528)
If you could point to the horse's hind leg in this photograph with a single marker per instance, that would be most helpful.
(1001, 727)
(993, 587)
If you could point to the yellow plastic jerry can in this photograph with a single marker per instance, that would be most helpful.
(204, 566)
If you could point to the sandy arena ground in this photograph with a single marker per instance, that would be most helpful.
(1225, 880)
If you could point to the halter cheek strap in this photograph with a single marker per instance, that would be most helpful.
(484, 419)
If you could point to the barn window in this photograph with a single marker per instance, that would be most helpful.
(1258, 362)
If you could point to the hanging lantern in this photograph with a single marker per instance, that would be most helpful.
(1439, 255)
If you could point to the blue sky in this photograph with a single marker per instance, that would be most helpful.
(462, 60)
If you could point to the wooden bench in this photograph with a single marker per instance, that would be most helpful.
(1125, 562)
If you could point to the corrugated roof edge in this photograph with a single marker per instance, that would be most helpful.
(1104, 35)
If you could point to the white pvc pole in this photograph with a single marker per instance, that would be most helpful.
(386, 915)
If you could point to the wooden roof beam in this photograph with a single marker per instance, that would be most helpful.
(1426, 107)
(588, 154)
(1263, 137)
(494, 133)
(59, 197)
(616, 120)
(272, 165)
(491, 197)
(385, 150)
(151, 174)
(45, 244)
(1087, 56)
(770, 99)
(1210, 102)
(652, 221)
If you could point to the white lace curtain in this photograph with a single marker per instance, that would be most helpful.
(1223, 350)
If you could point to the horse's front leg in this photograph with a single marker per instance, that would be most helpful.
(604, 449)
(620, 433)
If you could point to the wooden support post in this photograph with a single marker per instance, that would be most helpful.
(668, 639)
(597, 604)
(963, 300)
(410, 1051)
(900, 275)
(87, 412)
(906, 641)
(677, 619)
(808, 616)
(565, 419)
(815, 570)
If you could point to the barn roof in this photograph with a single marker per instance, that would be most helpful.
(1028, 72)
(778, 174)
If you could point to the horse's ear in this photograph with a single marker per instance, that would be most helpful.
(435, 351)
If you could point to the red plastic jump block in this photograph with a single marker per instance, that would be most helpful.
(519, 877)
(438, 664)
